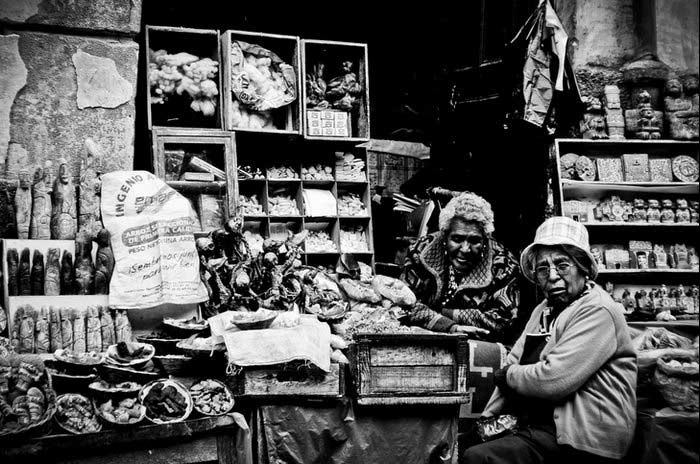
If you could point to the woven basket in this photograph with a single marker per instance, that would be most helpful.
(228, 394)
(117, 374)
(173, 364)
(180, 388)
(66, 427)
(678, 386)
(103, 418)
(43, 425)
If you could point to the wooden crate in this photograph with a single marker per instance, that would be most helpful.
(288, 381)
(216, 140)
(332, 54)
(287, 119)
(176, 112)
(391, 369)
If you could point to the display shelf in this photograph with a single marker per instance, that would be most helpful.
(332, 55)
(176, 110)
(283, 120)
(596, 197)
(677, 324)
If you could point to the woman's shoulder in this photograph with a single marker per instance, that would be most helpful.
(597, 298)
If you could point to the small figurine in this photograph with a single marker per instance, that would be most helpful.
(664, 297)
(695, 212)
(640, 211)
(642, 300)
(567, 165)
(627, 301)
(642, 260)
(67, 274)
(617, 210)
(25, 273)
(104, 263)
(90, 189)
(644, 122)
(122, 326)
(693, 260)
(627, 211)
(37, 273)
(64, 214)
(680, 256)
(593, 124)
(40, 227)
(659, 257)
(682, 211)
(83, 266)
(598, 257)
(52, 277)
(653, 212)
(23, 204)
(695, 292)
(613, 113)
(681, 117)
(667, 215)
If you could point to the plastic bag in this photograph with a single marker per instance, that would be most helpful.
(677, 379)
(260, 79)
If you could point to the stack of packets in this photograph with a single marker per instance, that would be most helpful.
(350, 204)
(353, 240)
(281, 172)
(250, 205)
(319, 202)
(318, 241)
(349, 168)
(282, 205)
(317, 172)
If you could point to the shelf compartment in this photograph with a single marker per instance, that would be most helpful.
(283, 120)
(607, 272)
(332, 55)
(176, 110)
(590, 189)
(669, 225)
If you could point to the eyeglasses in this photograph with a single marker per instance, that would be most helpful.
(562, 268)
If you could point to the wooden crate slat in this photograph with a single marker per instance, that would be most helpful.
(414, 355)
(403, 379)
(278, 382)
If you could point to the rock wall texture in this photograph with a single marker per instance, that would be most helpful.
(69, 71)
(115, 16)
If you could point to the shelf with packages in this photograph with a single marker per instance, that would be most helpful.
(198, 163)
(639, 201)
(318, 186)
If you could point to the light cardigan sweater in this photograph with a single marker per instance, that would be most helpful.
(587, 369)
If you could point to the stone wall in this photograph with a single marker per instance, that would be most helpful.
(69, 73)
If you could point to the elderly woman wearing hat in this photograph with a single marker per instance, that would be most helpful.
(465, 281)
(571, 376)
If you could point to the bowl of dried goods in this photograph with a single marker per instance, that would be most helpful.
(66, 380)
(185, 327)
(114, 373)
(134, 355)
(254, 320)
(101, 390)
(164, 343)
(127, 411)
(76, 414)
(211, 397)
(166, 401)
(73, 362)
(27, 398)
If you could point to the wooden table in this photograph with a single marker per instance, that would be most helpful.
(217, 439)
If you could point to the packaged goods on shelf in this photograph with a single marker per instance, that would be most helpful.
(350, 204)
(250, 205)
(349, 168)
(281, 172)
(282, 205)
(318, 241)
(317, 172)
(353, 240)
(318, 202)
(249, 172)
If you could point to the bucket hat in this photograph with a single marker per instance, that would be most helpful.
(558, 230)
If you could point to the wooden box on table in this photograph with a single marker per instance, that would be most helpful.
(288, 381)
(392, 369)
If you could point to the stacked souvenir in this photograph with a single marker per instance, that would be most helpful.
(349, 168)
(250, 205)
(353, 239)
(317, 172)
(350, 204)
(318, 241)
(280, 204)
(281, 173)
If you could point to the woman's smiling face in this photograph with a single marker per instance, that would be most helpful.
(465, 243)
(558, 277)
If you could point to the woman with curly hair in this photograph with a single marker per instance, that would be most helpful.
(465, 280)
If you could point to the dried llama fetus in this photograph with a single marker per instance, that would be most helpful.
(42, 331)
(23, 204)
(12, 272)
(40, 227)
(25, 273)
(84, 267)
(109, 336)
(52, 284)
(79, 330)
(67, 328)
(104, 263)
(64, 213)
(93, 330)
(67, 274)
(122, 326)
(56, 340)
(89, 204)
(37, 273)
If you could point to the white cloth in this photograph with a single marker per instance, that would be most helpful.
(309, 341)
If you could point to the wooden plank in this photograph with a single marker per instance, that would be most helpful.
(400, 379)
(410, 400)
(412, 355)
